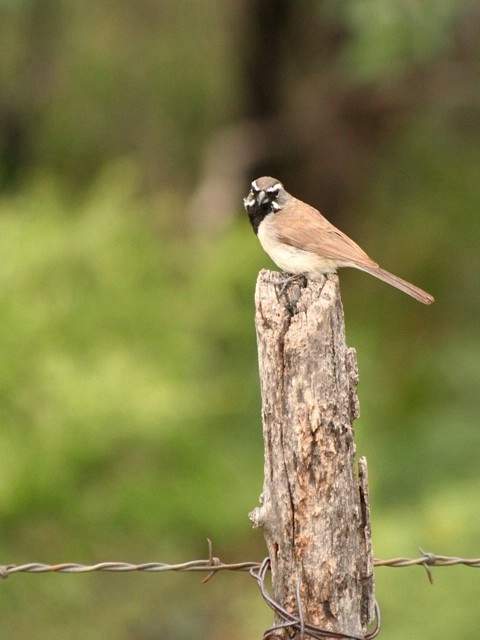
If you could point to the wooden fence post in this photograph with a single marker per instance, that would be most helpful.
(314, 508)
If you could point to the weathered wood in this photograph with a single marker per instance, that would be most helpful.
(314, 508)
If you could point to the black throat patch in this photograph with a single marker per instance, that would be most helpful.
(257, 212)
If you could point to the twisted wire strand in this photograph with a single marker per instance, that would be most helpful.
(213, 565)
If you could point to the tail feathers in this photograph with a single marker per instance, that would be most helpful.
(395, 281)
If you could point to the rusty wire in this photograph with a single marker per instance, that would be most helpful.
(213, 565)
(292, 621)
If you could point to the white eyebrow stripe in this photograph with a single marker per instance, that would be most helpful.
(255, 186)
(276, 187)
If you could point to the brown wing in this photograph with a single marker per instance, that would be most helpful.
(309, 230)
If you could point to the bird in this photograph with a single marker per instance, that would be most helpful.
(302, 242)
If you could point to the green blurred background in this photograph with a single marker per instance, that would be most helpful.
(130, 411)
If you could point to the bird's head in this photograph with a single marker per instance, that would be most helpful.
(266, 196)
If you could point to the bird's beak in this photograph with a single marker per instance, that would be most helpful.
(261, 197)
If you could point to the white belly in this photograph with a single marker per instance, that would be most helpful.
(293, 260)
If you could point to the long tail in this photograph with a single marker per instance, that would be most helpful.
(395, 281)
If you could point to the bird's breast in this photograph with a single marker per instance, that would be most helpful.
(292, 259)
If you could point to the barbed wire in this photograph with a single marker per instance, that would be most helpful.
(213, 565)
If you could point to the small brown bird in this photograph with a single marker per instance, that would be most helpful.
(302, 242)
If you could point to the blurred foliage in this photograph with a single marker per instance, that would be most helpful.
(130, 410)
(130, 400)
(391, 35)
(89, 81)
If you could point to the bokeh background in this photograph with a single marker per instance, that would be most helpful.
(130, 412)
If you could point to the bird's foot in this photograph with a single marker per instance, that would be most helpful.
(288, 279)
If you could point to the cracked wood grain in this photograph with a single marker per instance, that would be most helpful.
(314, 508)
